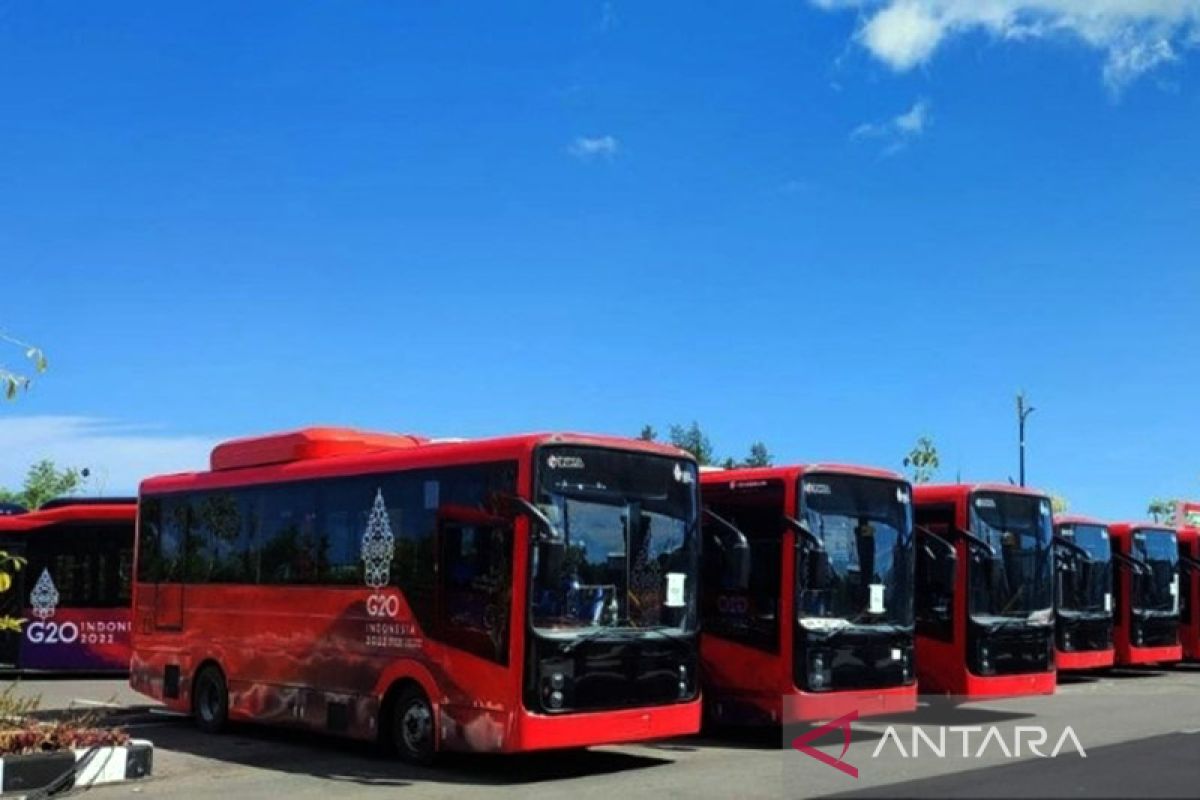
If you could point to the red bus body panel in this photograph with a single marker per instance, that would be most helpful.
(942, 665)
(303, 649)
(70, 638)
(1079, 660)
(746, 685)
(1127, 653)
(1189, 629)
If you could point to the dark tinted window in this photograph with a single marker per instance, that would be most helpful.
(741, 600)
(84, 562)
(312, 532)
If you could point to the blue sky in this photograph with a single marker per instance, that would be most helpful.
(832, 225)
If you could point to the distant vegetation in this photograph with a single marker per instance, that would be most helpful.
(695, 441)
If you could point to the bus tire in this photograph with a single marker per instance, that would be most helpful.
(210, 700)
(412, 727)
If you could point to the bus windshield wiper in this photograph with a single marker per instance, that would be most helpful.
(599, 633)
(664, 632)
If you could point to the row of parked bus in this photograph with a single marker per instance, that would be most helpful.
(563, 590)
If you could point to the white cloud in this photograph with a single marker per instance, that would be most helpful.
(898, 131)
(1135, 36)
(118, 455)
(588, 148)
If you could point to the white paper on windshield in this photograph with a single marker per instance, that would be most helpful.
(1108, 601)
(896, 654)
(876, 603)
(675, 582)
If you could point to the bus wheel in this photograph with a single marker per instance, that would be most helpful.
(412, 727)
(210, 700)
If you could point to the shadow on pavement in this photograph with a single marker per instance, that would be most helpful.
(331, 758)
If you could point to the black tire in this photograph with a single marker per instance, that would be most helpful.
(413, 728)
(210, 700)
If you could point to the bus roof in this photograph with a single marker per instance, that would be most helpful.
(84, 509)
(1126, 528)
(934, 492)
(1077, 519)
(320, 452)
(792, 472)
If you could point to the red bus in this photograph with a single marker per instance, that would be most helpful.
(1083, 598)
(1147, 593)
(985, 590)
(74, 590)
(1189, 592)
(501, 595)
(807, 597)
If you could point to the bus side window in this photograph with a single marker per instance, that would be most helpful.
(935, 573)
(288, 551)
(149, 536)
(163, 563)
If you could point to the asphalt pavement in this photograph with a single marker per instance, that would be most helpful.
(1136, 733)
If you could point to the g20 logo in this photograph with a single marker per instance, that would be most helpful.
(383, 605)
(53, 633)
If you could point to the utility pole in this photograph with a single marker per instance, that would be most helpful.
(1023, 411)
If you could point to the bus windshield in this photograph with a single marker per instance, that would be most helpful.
(864, 575)
(628, 556)
(1088, 587)
(1016, 579)
(1158, 590)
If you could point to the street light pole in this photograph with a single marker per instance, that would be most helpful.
(1023, 411)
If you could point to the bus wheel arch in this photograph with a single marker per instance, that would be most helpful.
(408, 724)
(210, 697)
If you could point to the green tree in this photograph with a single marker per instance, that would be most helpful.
(9, 564)
(43, 482)
(759, 456)
(1162, 510)
(648, 434)
(693, 440)
(14, 382)
(922, 461)
(1059, 504)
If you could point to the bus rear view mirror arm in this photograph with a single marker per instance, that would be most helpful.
(810, 539)
(946, 545)
(1137, 566)
(1190, 563)
(977, 542)
(1067, 544)
(739, 553)
(549, 533)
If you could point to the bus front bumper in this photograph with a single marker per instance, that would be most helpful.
(1083, 659)
(583, 729)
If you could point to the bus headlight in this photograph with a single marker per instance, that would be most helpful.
(684, 684)
(820, 671)
(556, 680)
(985, 659)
